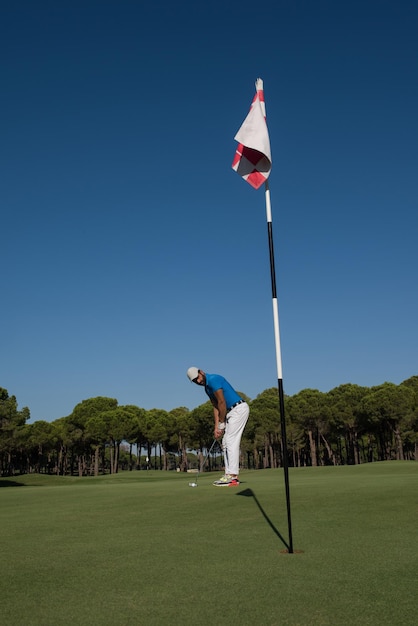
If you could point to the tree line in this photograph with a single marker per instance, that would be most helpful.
(350, 424)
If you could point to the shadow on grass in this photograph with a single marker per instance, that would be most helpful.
(249, 493)
(11, 483)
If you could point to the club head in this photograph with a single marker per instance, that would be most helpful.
(192, 484)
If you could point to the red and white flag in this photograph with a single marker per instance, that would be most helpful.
(252, 159)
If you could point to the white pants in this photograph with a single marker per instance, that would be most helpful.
(236, 420)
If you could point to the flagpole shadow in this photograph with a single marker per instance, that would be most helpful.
(249, 493)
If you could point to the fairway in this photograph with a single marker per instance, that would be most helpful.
(145, 548)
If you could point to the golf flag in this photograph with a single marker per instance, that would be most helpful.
(252, 159)
(253, 162)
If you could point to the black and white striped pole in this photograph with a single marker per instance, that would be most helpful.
(279, 363)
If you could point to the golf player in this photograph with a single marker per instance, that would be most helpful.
(230, 414)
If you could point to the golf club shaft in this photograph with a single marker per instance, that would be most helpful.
(207, 455)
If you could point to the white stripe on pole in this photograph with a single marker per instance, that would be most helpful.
(277, 339)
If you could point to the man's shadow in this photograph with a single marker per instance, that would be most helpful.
(249, 493)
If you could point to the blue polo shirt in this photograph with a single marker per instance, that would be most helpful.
(214, 382)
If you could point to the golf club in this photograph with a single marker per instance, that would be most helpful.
(194, 483)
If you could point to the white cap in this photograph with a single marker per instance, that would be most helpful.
(192, 373)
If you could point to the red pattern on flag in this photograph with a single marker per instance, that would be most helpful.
(252, 159)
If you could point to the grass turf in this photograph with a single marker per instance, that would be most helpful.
(144, 548)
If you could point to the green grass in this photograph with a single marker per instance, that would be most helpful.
(144, 548)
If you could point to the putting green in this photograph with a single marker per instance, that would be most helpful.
(144, 548)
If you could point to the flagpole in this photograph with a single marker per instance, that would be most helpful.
(252, 160)
(278, 362)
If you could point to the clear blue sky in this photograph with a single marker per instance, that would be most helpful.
(131, 250)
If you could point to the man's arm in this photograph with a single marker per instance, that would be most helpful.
(219, 411)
